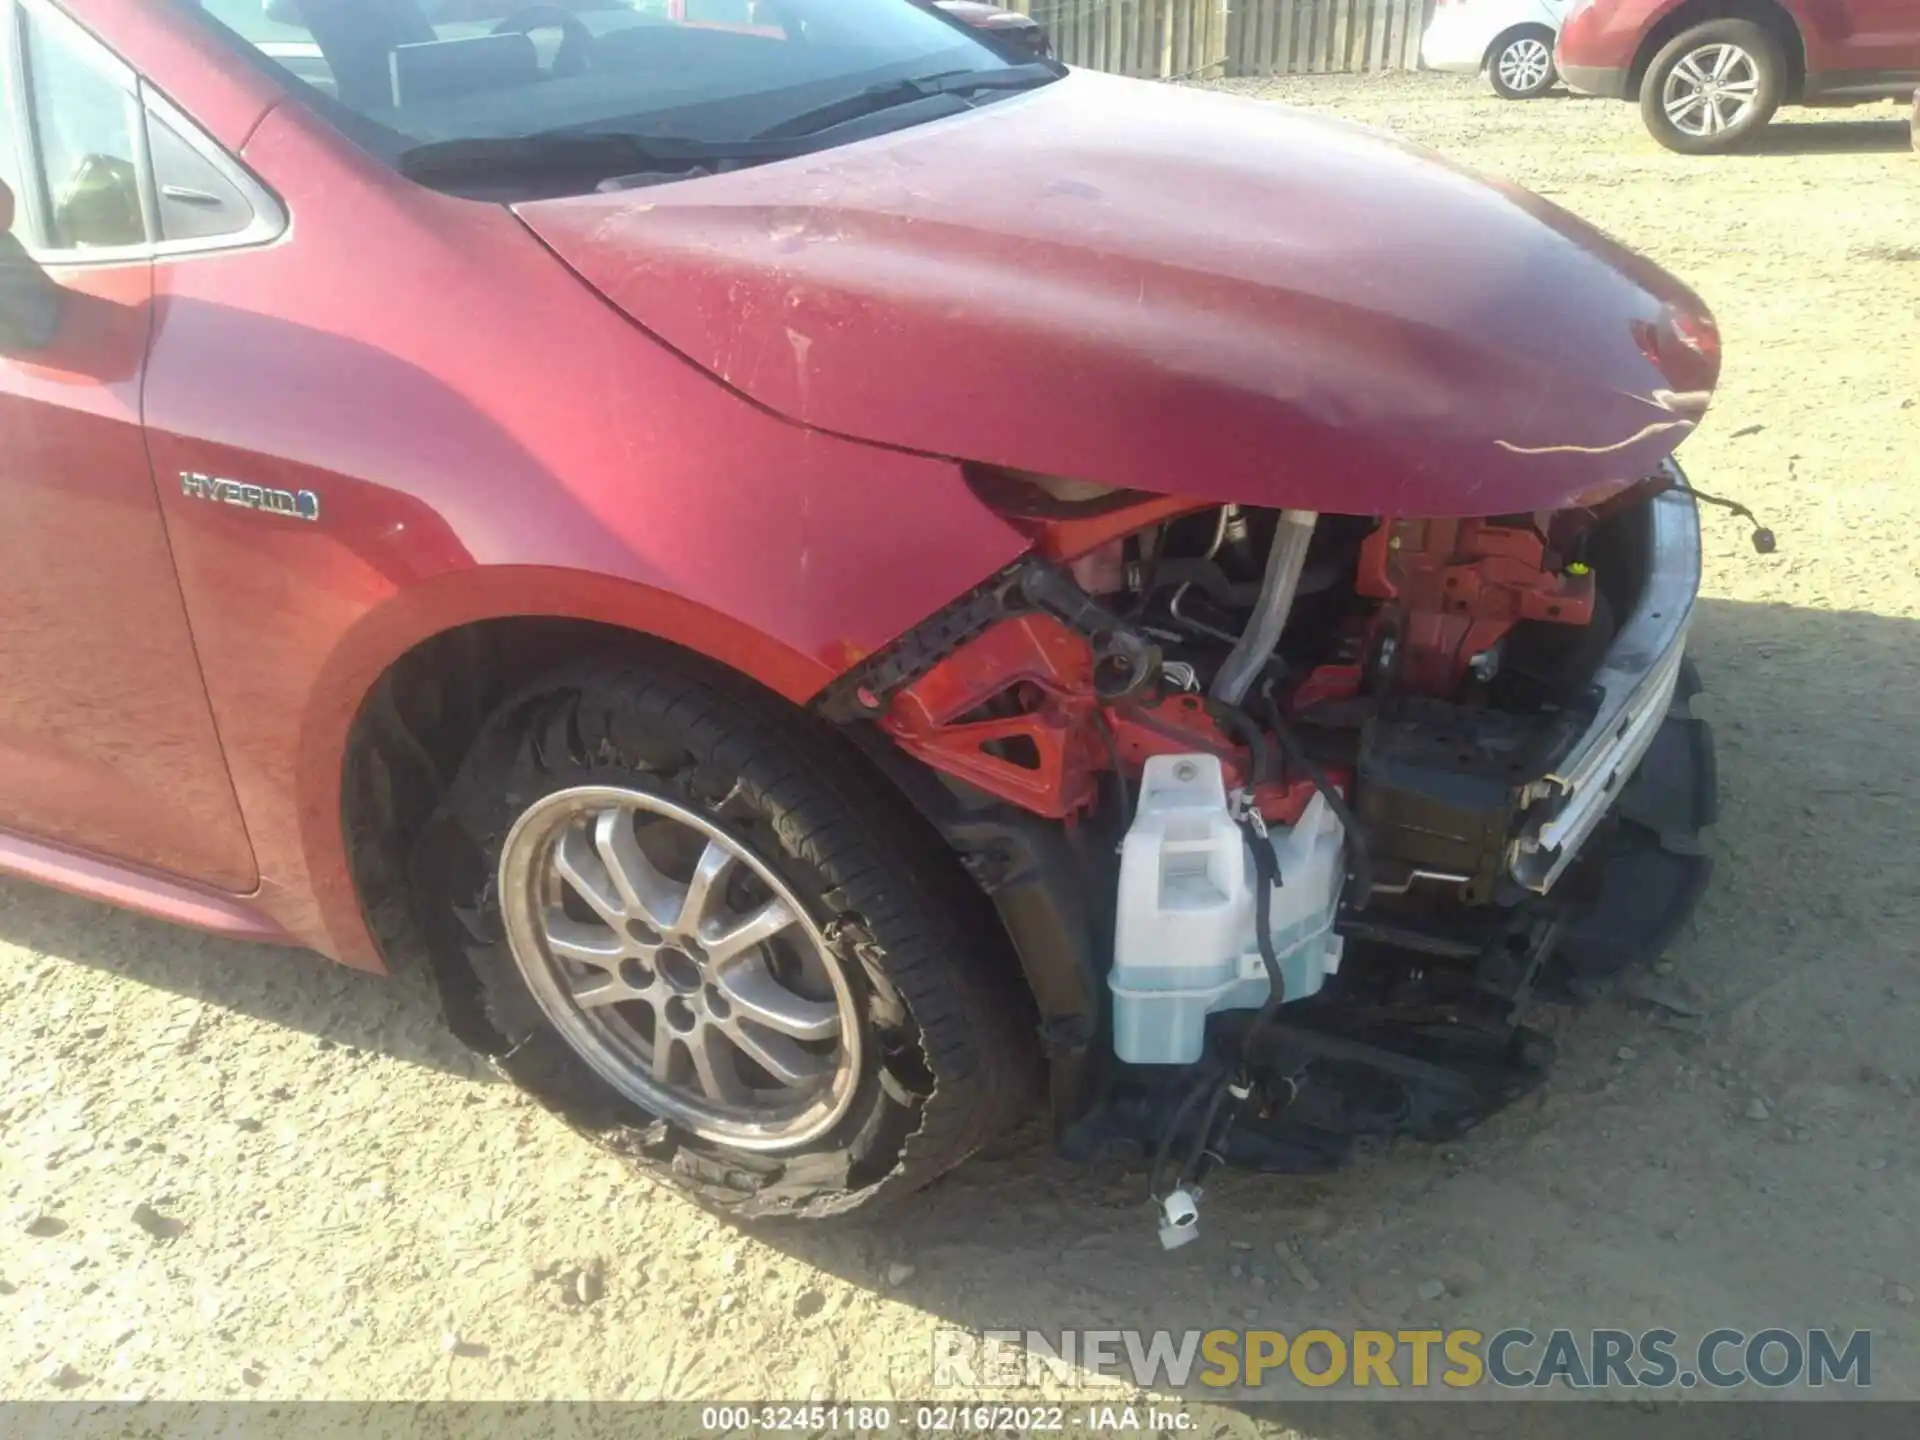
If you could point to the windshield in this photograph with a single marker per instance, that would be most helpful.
(420, 77)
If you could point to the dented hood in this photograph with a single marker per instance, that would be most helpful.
(1174, 291)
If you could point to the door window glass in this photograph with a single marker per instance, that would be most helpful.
(197, 199)
(86, 119)
(9, 150)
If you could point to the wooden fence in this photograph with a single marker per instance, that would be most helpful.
(1177, 39)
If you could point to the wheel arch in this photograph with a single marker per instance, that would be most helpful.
(418, 706)
(1768, 13)
(417, 714)
(404, 691)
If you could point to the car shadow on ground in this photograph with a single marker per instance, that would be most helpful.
(1806, 137)
(1831, 137)
(293, 989)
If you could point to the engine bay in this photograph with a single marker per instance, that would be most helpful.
(1295, 816)
(1291, 817)
(1051, 688)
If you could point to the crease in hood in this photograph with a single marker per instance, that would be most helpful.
(1169, 290)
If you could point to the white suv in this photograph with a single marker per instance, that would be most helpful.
(1512, 40)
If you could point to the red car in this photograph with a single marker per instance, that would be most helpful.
(1710, 73)
(819, 574)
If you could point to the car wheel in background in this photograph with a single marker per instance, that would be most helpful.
(708, 937)
(1520, 64)
(1713, 87)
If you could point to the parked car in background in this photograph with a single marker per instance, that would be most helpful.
(1709, 74)
(1512, 40)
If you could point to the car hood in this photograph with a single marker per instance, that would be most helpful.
(1169, 290)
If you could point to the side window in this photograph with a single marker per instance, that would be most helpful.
(98, 161)
(86, 119)
(9, 141)
(198, 198)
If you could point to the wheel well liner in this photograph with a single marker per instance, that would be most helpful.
(404, 747)
(1698, 12)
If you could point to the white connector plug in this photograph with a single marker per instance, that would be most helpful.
(1179, 1218)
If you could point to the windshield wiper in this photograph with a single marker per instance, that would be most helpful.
(907, 92)
(595, 155)
(581, 154)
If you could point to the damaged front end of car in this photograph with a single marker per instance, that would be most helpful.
(1290, 816)
(1336, 707)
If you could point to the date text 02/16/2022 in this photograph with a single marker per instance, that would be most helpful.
(943, 1419)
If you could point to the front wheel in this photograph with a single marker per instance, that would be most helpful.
(708, 937)
(1520, 65)
(1713, 87)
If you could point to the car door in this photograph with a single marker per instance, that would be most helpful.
(1855, 45)
(107, 741)
(1886, 37)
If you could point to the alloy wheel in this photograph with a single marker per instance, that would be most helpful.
(1711, 90)
(1524, 65)
(680, 966)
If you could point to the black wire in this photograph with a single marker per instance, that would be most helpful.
(1763, 538)
(1232, 719)
(1150, 557)
(1185, 1108)
(1235, 720)
(1266, 869)
(1267, 879)
(1190, 1172)
(1360, 856)
(1267, 875)
(1723, 502)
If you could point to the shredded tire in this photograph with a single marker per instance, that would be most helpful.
(950, 1058)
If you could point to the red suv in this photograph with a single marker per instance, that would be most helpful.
(1709, 73)
(809, 570)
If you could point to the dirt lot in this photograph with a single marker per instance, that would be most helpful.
(346, 1206)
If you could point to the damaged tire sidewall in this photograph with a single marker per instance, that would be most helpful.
(559, 736)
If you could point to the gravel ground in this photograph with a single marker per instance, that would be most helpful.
(232, 1171)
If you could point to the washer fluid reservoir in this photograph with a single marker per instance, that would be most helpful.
(1184, 938)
